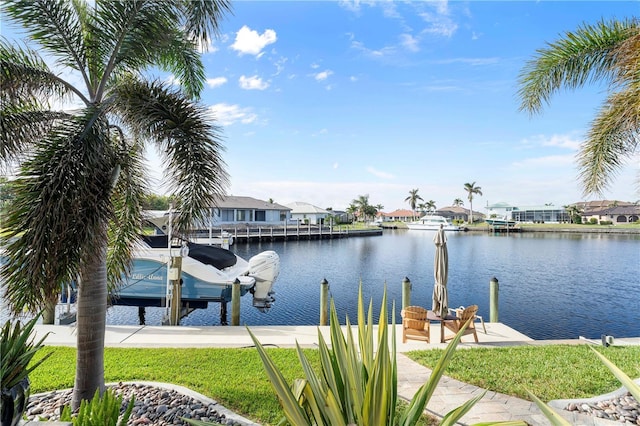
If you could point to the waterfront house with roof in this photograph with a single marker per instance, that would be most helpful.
(232, 211)
(458, 213)
(401, 215)
(532, 214)
(616, 213)
(306, 213)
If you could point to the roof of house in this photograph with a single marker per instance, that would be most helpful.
(618, 210)
(458, 210)
(600, 205)
(236, 202)
(300, 207)
(400, 213)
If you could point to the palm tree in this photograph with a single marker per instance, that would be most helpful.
(362, 206)
(413, 199)
(352, 210)
(81, 179)
(431, 206)
(609, 52)
(471, 189)
(458, 202)
(573, 211)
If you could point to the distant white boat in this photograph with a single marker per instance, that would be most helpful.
(432, 223)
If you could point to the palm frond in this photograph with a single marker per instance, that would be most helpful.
(126, 226)
(204, 16)
(182, 58)
(183, 131)
(578, 58)
(612, 139)
(22, 128)
(52, 24)
(61, 206)
(24, 76)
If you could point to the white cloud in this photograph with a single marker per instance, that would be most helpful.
(279, 64)
(173, 80)
(249, 42)
(409, 42)
(380, 174)
(321, 76)
(566, 141)
(321, 132)
(315, 66)
(252, 83)
(439, 21)
(353, 78)
(335, 165)
(216, 82)
(380, 53)
(226, 114)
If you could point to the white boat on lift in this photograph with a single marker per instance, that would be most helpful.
(432, 223)
(208, 274)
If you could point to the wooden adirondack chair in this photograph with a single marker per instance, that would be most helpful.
(456, 324)
(414, 324)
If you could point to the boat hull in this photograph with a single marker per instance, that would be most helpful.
(147, 286)
(432, 223)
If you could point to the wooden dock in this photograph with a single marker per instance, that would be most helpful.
(503, 229)
(287, 233)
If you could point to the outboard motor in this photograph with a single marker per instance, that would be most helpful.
(264, 268)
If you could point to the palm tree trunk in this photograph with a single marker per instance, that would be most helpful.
(49, 313)
(91, 320)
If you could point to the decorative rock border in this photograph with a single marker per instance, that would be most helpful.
(155, 403)
(612, 408)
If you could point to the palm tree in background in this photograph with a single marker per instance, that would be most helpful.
(458, 202)
(608, 52)
(361, 204)
(574, 212)
(430, 206)
(80, 175)
(413, 199)
(471, 189)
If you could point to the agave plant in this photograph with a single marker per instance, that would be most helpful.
(626, 381)
(357, 384)
(17, 349)
(100, 411)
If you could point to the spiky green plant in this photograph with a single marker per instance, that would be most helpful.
(100, 411)
(16, 351)
(357, 383)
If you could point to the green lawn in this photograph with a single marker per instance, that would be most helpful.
(235, 377)
(550, 372)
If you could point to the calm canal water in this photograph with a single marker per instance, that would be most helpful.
(552, 285)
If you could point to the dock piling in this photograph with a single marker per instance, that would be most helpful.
(493, 299)
(235, 303)
(324, 295)
(406, 292)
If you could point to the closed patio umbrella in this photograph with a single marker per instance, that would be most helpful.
(440, 273)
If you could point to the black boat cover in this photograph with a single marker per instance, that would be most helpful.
(217, 257)
(211, 255)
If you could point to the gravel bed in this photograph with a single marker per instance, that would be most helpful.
(154, 405)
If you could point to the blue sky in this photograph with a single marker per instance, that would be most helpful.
(325, 101)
